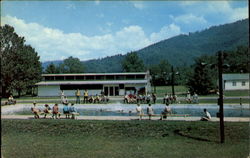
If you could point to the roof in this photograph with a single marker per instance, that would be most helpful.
(88, 74)
(90, 82)
(236, 76)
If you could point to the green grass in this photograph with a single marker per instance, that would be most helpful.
(182, 90)
(231, 101)
(237, 93)
(162, 90)
(94, 139)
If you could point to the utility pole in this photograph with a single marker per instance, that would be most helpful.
(172, 80)
(221, 114)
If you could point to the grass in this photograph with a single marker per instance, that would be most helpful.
(162, 90)
(231, 101)
(182, 90)
(237, 93)
(94, 139)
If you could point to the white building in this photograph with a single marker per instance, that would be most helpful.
(112, 84)
(236, 81)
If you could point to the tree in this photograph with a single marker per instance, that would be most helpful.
(160, 73)
(132, 63)
(203, 78)
(71, 65)
(51, 69)
(238, 60)
(20, 66)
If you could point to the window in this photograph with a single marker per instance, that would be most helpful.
(243, 83)
(99, 77)
(49, 78)
(69, 77)
(120, 77)
(59, 78)
(140, 76)
(110, 77)
(130, 77)
(81, 87)
(90, 77)
(234, 83)
(79, 77)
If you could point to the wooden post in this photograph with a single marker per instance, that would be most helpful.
(172, 69)
(221, 113)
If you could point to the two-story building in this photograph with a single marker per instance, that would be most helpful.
(112, 84)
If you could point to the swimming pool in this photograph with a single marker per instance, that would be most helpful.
(129, 109)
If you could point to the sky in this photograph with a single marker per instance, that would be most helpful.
(96, 29)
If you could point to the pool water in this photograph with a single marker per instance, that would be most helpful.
(129, 110)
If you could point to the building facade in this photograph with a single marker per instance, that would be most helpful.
(111, 84)
(236, 81)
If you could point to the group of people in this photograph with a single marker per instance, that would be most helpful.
(166, 111)
(67, 110)
(192, 99)
(150, 111)
(86, 98)
(10, 100)
(169, 99)
(132, 99)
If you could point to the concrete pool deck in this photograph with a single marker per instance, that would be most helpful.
(214, 119)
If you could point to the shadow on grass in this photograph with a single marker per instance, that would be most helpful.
(178, 132)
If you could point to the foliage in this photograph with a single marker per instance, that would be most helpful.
(20, 66)
(51, 69)
(237, 60)
(161, 73)
(201, 80)
(71, 65)
(183, 73)
(132, 63)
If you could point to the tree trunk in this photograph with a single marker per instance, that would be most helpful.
(19, 93)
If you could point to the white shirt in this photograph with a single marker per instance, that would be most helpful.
(207, 114)
(150, 110)
(167, 109)
(139, 109)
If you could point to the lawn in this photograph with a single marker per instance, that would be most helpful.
(237, 93)
(101, 139)
(182, 90)
(162, 90)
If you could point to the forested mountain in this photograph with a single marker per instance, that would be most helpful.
(182, 49)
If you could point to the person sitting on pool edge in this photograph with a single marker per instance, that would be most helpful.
(165, 112)
(35, 110)
(206, 116)
(47, 110)
(56, 111)
(73, 111)
(66, 110)
(150, 111)
(139, 111)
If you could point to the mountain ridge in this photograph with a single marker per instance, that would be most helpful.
(181, 49)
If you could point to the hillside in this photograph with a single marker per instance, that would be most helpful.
(181, 49)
